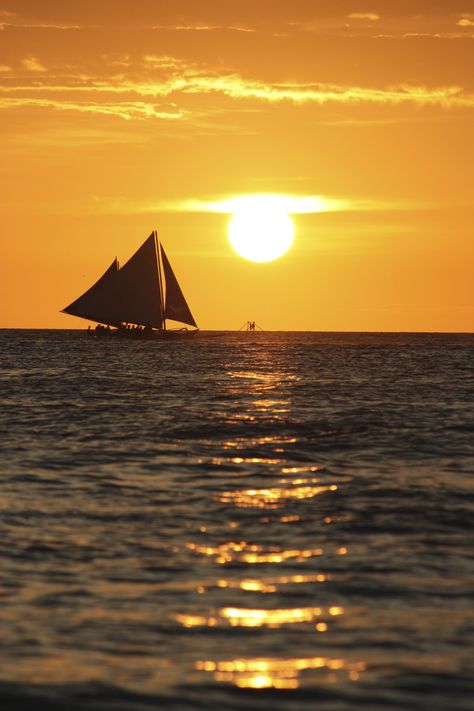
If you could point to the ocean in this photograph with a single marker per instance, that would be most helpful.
(240, 521)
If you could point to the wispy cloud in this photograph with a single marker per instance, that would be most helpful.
(184, 84)
(33, 64)
(362, 25)
(166, 62)
(5, 68)
(39, 26)
(466, 22)
(438, 35)
(292, 204)
(230, 204)
(373, 16)
(237, 87)
(202, 28)
(125, 110)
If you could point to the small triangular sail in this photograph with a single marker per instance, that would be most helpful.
(99, 303)
(176, 307)
(139, 287)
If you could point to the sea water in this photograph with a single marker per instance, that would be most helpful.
(236, 521)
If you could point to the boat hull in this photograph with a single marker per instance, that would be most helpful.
(141, 335)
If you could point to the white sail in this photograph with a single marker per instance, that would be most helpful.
(176, 307)
(99, 303)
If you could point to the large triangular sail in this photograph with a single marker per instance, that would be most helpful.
(176, 307)
(99, 303)
(140, 287)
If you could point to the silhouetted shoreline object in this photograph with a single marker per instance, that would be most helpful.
(251, 326)
(136, 299)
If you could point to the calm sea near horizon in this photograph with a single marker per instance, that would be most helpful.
(240, 521)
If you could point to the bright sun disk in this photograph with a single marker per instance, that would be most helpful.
(261, 230)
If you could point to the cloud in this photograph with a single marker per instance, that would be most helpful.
(33, 64)
(294, 204)
(362, 25)
(202, 28)
(465, 22)
(437, 35)
(5, 68)
(236, 87)
(43, 26)
(364, 16)
(171, 78)
(162, 62)
(125, 110)
(290, 203)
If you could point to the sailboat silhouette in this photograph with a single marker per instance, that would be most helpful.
(142, 293)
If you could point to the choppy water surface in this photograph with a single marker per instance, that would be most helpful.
(241, 521)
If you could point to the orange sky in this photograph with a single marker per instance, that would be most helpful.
(116, 114)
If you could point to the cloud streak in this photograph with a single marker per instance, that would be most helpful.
(202, 28)
(184, 85)
(292, 204)
(465, 22)
(33, 64)
(29, 26)
(230, 204)
(237, 87)
(125, 110)
(373, 16)
(426, 35)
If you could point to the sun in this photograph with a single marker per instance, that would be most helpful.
(260, 229)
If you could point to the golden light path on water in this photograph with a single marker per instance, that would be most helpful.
(256, 553)
(274, 497)
(277, 673)
(288, 500)
(242, 617)
(271, 584)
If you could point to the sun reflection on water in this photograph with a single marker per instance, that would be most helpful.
(253, 460)
(252, 553)
(258, 441)
(267, 673)
(274, 497)
(292, 483)
(258, 617)
(271, 377)
(271, 584)
(239, 617)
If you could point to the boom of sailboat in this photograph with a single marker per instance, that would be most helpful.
(137, 298)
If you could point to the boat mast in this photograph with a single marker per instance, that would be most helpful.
(160, 281)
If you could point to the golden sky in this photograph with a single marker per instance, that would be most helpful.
(121, 117)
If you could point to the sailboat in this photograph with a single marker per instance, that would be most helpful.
(137, 298)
